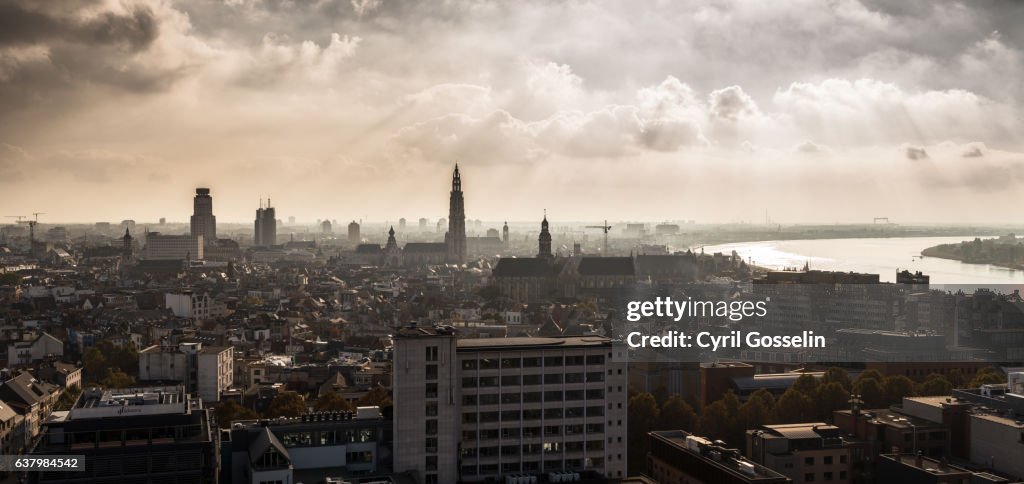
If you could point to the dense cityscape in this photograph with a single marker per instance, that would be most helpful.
(288, 355)
(492, 242)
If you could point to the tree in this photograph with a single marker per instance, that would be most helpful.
(378, 396)
(675, 414)
(719, 420)
(333, 402)
(838, 375)
(806, 384)
(869, 375)
(957, 378)
(94, 364)
(660, 395)
(831, 397)
(117, 379)
(986, 376)
(896, 387)
(795, 406)
(642, 415)
(68, 398)
(758, 410)
(934, 386)
(228, 411)
(871, 392)
(287, 404)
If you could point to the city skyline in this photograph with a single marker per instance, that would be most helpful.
(823, 112)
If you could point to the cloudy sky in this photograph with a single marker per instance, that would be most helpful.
(817, 111)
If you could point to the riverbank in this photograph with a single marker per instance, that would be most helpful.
(1001, 252)
(882, 256)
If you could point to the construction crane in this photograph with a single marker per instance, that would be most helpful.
(31, 224)
(604, 228)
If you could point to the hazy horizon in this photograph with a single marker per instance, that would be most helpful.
(818, 112)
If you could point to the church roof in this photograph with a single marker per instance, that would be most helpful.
(606, 266)
(422, 247)
(525, 267)
(368, 249)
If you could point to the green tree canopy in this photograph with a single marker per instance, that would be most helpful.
(795, 406)
(286, 404)
(377, 396)
(935, 385)
(228, 411)
(675, 414)
(333, 402)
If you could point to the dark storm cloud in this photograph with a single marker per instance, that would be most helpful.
(25, 23)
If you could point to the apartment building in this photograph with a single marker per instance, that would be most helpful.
(205, 370)
(479, 409)
(199, 306)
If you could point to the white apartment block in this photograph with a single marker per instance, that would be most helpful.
(206, 371)
(172, 247)
(477, 409)
(189, 304)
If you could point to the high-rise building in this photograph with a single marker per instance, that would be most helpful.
(203, 222)
(401, 224)
(423, 224)
(206, 371)
(472, 410)
(456, 236)
(266, 226)
(353, 232)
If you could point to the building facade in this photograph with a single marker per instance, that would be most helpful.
(479, 409)
(203, 222)
(456, 236)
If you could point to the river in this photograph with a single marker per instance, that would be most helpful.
(883, 256)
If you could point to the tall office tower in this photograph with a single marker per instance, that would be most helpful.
(456, 237)
(423, 224)
(353, 232)
(472, 410)
(266, 226)
(401, 224)
(544, 240)
(203, 221)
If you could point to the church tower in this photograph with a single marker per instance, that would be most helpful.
(504, 235)
(126, 247)
(456, 237)
(544, 240)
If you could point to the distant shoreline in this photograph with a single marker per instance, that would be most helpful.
(956, 252)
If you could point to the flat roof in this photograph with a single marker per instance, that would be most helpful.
(478, 344)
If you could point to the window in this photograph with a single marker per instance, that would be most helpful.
(431, 409)
(431, 353)
(552, 379)
(430, 444)
(431, 390)
(489, 399)
(488, 364)
(469, 382)
(842, 459)
(431, 427)
(809, 478)
(510, 362)
(828, 460)
(488, 381)
(468, 364)
(531, 362)
(431, 462)
(431, 372)
(509, 398)
(553, 396)
(531, 379)
(809, 461)
(510, 380)
(828, 476)
(574, 377)
(595, 360)
(574, 360)
(553, 361)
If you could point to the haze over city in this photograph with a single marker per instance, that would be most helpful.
(814, 111)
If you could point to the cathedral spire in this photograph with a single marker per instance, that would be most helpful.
(544, 240)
